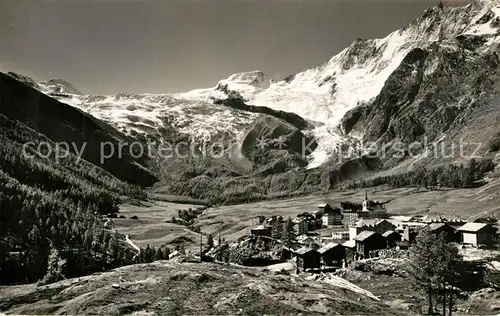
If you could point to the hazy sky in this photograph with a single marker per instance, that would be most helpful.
(172, 46)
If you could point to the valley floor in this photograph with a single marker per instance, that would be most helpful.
(234, 221)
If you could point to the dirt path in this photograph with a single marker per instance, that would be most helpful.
(131, 243)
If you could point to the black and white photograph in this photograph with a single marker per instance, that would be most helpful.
(250, 157)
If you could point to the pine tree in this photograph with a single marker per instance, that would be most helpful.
(210, 241)
(424, 258)
(435, 265)
(54, 270)
(277, 229)
(289, 233)
(450, 273)
(159, 254)
(148, 254)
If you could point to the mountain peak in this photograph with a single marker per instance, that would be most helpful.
(256, 78)
(27, 80)
(57, 85)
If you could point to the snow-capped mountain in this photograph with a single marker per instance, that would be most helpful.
(56, 85)
(323, 95)
(357, 74)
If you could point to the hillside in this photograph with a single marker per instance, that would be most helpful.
(65, 124)
(165, 288)
(434, 82)
(52, 197)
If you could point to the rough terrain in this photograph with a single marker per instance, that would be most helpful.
(165, 288)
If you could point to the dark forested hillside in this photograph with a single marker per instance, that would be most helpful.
(63, 123)
(53, 206)
(51, 200)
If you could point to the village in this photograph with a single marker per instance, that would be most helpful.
(330, 237)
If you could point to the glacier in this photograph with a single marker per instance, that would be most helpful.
(322, 95)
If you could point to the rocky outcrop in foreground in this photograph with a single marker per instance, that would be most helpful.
(166, 288)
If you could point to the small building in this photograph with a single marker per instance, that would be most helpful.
(456, 222)
(260, 219)
(332, 219)
(350, 249)
(261, 230)
(486, 220)
(352, 217)
(317, 223)
(332, 253)
(300, 225)
(308, 258)
(403, 219)
(341, 235)
(448, 232)
(367, 241)
(433, 218)
(377, 225)
(305, 239)
(375, 209)
(410, 233)
(477, 234)
(287, 253)
(391, 238)
(271, 220)
(325, 208)
(318, 214)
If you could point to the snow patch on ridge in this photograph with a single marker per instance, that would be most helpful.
(321, 95)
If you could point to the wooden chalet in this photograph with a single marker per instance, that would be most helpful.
(391, 238)
(449, 233)
(332, 254)
(308, 258)
(478, 234)
(367, 241)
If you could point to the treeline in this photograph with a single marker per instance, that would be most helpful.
(247, 189)
(453, 176)
(72, 178)
(187, 217)
(150, 254)
(50, 212)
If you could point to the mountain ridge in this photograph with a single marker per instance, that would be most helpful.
(433, 79)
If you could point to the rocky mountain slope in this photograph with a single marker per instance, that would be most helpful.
(433, 80)
(78, 130)
(166, 288)
(54, 189)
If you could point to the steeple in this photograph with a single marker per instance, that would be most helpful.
(365, 202)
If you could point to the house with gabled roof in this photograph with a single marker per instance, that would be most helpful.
(477, 234)
(308, 258)
(449, 233)
(377, 225)
(367, 241)
(332, 253)
(350, 249)
(391, 238)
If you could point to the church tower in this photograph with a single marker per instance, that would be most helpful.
(365, 202)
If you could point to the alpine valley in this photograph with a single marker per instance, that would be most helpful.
(432, 81)
(418, 108)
